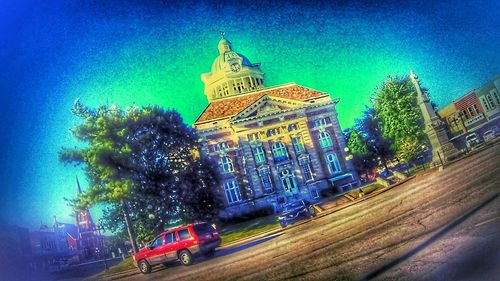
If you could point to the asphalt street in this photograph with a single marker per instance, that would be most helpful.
(442, 225)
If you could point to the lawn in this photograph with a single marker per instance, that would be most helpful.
(125, 265)
(231, 233)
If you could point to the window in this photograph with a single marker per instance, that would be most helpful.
(260, 156)
(325, 140)
(226, 165)
(306, 168)
(169, 238)
(265, 177)
(298, 145)
(292, 127)
(273, 132)
(333, 163)
(232, 191)
(289, 182)
(321, 122)
(495, 97)
(490, 99)
(221, 146)
(486, 104)
(184, 234)
(279, 152)
(253, 137)
(476, 109)
(157, 243)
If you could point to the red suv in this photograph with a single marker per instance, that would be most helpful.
(181, 243)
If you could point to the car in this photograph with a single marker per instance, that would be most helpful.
(181, 243)
(489, 136)
(473, 141)
(295, 211)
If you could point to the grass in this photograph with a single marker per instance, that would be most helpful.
(231, 233)
(125, 265)
(366, 190)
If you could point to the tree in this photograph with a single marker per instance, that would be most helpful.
(396, 107)
(367, 143)
(143, 163)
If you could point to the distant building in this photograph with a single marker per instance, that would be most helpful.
(87, 238)
(474, 109)
(489, 97)
(272, 144)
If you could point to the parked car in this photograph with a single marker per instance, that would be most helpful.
(295, 211)
(489, 136)
(473, 141)
(182, 243)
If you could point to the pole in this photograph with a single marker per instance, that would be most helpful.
(101, 244)
(440, 160)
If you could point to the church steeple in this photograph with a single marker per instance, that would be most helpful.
(231, 74)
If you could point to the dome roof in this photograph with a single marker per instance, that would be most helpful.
(219, 61)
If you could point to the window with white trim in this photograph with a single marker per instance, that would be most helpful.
(265, 177)
(279, 152)
(306, 169)
(298, 145)
(232, 191)
(325, 140)
(226, 165)
(259, 154)
(495, 96)
(333, 163)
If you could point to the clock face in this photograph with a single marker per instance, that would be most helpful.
(235, 67)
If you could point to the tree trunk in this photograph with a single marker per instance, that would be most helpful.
(128, 224)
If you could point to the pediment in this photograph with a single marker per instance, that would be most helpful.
(267, 105)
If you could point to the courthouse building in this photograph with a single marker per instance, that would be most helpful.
(272, 144)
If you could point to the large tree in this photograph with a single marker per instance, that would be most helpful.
(144, 164)
(367, 144)
(395, 104)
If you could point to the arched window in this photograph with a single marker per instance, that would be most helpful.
(298, 145)
(260, 156)
(325, 140)
(232, 191)
(289, 182)
(279, 152)
(226, 165)
(333, 163)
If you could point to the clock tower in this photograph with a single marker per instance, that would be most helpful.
(231, 74)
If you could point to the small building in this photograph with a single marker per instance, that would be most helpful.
(474, 109)
(272, 144)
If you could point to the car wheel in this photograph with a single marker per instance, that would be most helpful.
(283, 224)
(144, 266)
(185, 257)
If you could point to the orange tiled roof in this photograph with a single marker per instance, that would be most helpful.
(232, 106)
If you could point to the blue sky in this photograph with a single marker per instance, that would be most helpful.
(124, 52)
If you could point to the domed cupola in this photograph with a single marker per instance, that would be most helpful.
(231, 74)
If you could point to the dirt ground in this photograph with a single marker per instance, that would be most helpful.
(439, 220)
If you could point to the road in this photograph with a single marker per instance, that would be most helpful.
(442, 225)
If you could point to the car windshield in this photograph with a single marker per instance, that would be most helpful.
(203, 228)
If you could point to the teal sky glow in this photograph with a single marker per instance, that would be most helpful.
(125, 52)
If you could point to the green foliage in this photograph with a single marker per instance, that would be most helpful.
(146, 157)
(396, 106)
(367, 144)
